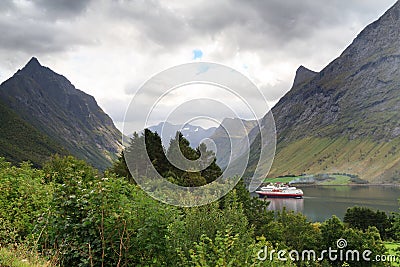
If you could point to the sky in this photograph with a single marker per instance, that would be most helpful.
(110, 48)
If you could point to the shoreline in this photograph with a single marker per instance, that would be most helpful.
(374, 184)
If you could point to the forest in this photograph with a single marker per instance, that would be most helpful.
(69, 214)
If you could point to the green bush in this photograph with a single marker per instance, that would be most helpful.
(24, 199)
(102, 221)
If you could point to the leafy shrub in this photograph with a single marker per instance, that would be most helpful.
(24, 199)
(102, 221)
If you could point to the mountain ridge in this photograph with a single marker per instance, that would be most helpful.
(50, 102)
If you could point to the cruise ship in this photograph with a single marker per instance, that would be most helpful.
(279, 190)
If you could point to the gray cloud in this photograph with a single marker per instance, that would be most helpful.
(242, 25)
(259, 24)
(273, 37)
(28, 27)
(251, 24)
(42, 38)
(58, 9)
(155, 21)
(6, 6)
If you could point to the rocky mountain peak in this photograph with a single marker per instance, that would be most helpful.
(302, 75)
(32, 66)
(33, 62)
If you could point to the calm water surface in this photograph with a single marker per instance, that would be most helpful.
(321, 202)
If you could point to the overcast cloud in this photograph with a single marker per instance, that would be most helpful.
(109, 48)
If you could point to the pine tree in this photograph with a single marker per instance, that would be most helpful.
(146, 149)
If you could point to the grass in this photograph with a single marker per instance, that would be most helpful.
(339, 180)
(392, 247)
(21, 257)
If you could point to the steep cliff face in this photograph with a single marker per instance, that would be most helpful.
(70, 117)
(353, 102)
(357, 94)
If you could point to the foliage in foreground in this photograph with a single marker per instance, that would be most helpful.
(72, 215)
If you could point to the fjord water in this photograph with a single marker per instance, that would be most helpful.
(321, 202)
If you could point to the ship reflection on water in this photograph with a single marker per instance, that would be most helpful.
(293, 204)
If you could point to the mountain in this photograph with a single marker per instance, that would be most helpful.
(20, 141)
(70, 119)
(193, 133)
(230, 139)
(346, 118)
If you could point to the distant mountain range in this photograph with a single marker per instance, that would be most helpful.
(345, 118)
(192, 133)
(42, 113)
(228, 146)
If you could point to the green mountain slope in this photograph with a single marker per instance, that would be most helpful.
(374, 161)
(52, 105)
(19, 141)
(346, 118)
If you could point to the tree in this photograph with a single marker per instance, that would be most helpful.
(155, 151)
(146, 149)
(209, 170)
(395, 229)
(178, 147)
(143, 150)
(67, 227)
(120, 168)
(362, 218)
(364, 240)
(331, 230)
(134, 156)
(208, 163)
